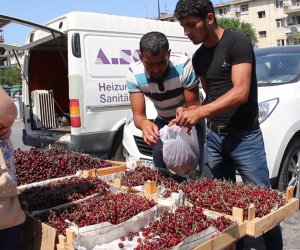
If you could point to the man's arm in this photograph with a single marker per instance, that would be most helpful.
(150, 130)
(191, 97)
(236, 96)
(8, 113)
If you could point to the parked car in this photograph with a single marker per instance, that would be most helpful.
(278, 76)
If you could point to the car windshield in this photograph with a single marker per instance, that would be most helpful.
(274, 68)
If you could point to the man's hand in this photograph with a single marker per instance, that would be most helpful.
(150, 132)
(5, 132)
(179, 112)
(187, 117)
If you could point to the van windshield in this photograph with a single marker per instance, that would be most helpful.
(277, 68)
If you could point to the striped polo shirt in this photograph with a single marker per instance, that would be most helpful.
(180, 76)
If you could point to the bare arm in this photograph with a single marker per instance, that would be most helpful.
(192, 97)
(150, 130)
(8, 113)
(236, 96)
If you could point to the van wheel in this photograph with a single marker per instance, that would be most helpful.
(289, 164)
(119, 154)
(116, 153)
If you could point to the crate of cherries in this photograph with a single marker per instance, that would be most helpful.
(183, 227)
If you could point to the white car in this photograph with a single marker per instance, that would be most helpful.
(278, 76)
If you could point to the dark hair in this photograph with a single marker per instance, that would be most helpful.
(154, 42)
(198, 8)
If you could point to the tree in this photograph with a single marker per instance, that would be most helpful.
(240, 26)
(10, 76)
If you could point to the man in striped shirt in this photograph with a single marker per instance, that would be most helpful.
(169, 81)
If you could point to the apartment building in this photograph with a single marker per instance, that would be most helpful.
(276, 22)
(2, 50)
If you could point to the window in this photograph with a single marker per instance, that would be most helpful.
(280, 42)
(244, 8)
(262, 34)
(279, 3)
(277, 67)
(279, 23)
(222, 11)
(261, 14)
(293, 20)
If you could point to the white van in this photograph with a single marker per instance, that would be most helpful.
(74, 92)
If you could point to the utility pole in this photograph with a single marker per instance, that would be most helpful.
(146, 11)
(158, 6)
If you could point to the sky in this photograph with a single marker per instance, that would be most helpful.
(41, 11)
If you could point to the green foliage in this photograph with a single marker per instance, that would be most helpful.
(10, 76)
(240, 26)
(295, 38)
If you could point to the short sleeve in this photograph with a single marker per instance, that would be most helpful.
(241, 49)
(189, 77)
(131, 81)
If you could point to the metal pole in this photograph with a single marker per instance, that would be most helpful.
(158, 6)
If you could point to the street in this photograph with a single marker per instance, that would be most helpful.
(290, 226)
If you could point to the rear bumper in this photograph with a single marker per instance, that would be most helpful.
(99, 143)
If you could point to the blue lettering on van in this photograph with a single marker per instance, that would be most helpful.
(126, 57)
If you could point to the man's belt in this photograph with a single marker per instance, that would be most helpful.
(221, 129)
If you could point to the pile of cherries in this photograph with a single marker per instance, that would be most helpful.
(172, 228)
(141, 174)
(222, 196)
(60, 192)
(113, 208)
(38, 164)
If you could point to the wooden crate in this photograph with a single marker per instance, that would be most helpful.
(253, 226)
(256, 226)
(66, 243)
(259, 226)
(150, 189)
(38, 235)
(225, 240)
(117, 167)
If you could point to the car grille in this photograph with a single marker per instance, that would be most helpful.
(142, 146)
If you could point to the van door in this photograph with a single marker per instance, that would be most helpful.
(44, 58)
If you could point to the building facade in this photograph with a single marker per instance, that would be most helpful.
(7, 57)
(276, 22)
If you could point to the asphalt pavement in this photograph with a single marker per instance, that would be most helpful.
(290, 226)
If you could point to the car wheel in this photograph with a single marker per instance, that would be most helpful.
(289, 164)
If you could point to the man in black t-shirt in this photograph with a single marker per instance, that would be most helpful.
(225, 63)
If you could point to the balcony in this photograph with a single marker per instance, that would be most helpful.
(290, 8)
(294, 29)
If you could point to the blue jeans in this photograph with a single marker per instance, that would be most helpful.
(244, 152)
(157, 148)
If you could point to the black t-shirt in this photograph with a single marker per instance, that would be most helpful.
(215, 63)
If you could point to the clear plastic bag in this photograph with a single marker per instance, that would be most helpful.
(180, 149)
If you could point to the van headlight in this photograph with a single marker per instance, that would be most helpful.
(266, 108)
(129, 120)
